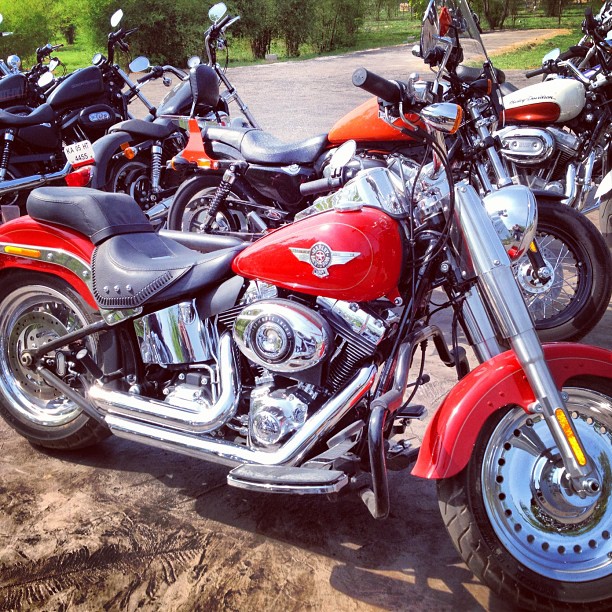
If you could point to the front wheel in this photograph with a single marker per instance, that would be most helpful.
(567, 305)
(516, 522)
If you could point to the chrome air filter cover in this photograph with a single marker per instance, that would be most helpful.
(282, 336)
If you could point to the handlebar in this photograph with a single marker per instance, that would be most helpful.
(339, 178)
(533, 73)
(157, 72)
(389, 91)
(321, 185)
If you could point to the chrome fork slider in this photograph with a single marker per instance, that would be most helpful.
(498, 285)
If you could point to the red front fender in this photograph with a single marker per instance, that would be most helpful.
(68, 253)
(451, 434)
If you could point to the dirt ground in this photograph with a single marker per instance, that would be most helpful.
(126, 527)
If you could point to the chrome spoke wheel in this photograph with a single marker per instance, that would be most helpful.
(548, 298)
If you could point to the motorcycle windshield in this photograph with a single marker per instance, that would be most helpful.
(455, 21)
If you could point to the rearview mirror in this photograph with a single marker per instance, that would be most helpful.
(139, 64)
(217, 11)
(116, 18)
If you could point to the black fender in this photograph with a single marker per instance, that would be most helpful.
(103, 150)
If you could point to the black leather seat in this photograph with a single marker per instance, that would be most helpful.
(131, 264)
(158, 129)
(43, 114)
(259, 147)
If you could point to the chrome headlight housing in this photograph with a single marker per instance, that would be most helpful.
(514, 213)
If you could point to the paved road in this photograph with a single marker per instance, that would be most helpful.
(122, 526)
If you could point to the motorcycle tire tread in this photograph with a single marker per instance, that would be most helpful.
(470, 530)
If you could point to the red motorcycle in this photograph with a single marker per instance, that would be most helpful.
(295, 359)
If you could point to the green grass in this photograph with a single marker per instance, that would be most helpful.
(530, 56)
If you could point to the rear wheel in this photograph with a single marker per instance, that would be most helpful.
(34, 310)
(567, 305)
(190, 208)
(519, 526)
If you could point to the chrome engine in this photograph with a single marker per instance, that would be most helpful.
(543, 158)
(301, 358)
(287, 338)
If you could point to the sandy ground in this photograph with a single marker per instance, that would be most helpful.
(126, 527)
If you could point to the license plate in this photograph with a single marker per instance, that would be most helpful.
(79, 153)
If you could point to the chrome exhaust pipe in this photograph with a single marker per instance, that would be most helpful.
(195, 418)
(228, 453)
(158, 212)
(34, 180)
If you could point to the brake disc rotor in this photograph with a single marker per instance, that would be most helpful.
(32, 331)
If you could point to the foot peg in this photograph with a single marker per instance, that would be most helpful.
(284, 479)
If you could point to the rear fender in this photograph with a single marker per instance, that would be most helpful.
(499, 382)
(103, 150)
(27, 245)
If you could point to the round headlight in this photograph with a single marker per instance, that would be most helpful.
(514, 213)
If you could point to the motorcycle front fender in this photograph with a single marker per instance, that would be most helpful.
(605, 187)
(29, 246)
(495, 384)
(103, 150)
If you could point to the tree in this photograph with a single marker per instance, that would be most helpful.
(335, 23)
(28, 21)
(294, 23)
(258, 24)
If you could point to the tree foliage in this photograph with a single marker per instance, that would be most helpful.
(31, 27)
(169, 32)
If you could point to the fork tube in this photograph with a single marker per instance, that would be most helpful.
(501, 292)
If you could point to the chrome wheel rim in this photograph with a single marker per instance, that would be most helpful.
(538, 519)
(550, 298)
(32, 317)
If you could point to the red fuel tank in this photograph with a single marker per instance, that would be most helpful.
(353, 256)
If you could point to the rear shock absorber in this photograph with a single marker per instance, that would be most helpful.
(229, 177)
(9, 136)
(156, 164)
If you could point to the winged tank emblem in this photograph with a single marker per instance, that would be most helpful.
(320, 257)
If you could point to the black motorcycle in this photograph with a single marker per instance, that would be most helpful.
(133, 158)
(73, 111)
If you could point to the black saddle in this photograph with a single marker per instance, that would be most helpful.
(259, 147)
(158, 129)
(131, 264)
(42, 114)
(468, 74)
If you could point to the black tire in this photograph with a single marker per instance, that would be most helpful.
(191, 201)
(536, 545)
(35, 308)
(576, 297)
(131, 176)
(605, 220)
